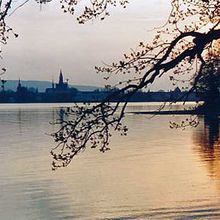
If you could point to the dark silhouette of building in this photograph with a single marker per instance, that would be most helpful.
(24, 95)
(60, 92)
(21, 93)
(61, 85)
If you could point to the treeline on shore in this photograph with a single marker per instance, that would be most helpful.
(30, 95)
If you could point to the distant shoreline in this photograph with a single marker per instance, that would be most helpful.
(171, 112)
(97, 101)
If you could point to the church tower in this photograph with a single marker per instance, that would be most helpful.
(61, 78)
(61, 85)
(19, 85)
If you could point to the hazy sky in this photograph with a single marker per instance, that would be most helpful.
(49, 40)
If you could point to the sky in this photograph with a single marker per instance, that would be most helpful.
(50, 40)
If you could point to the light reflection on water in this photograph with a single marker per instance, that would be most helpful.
(153, 173)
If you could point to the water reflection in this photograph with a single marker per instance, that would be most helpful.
(207, 144)
(211, 124)
(151, 174)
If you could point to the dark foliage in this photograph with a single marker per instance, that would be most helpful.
(208, 86)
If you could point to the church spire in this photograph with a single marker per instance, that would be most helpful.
(19, 83)
(61, 78)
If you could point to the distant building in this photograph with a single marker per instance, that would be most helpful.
(21, 93)
(24, 95)
(61, 86)
(60, 92)
(20, 89)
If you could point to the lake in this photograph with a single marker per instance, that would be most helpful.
(153, 173)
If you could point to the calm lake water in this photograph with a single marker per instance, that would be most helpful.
(153, 173)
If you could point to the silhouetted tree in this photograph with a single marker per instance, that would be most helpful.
(179, 48)
(208, 87)
(5, 29)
